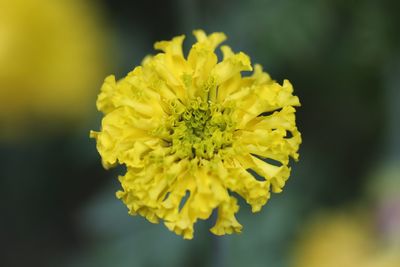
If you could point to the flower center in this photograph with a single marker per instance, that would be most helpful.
(201, 130)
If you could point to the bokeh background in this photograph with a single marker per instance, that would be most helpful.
(341, 206)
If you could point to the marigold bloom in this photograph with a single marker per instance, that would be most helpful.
(192, 130)
(52, 55)
(343, 239)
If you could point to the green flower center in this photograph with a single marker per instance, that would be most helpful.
(201, 130)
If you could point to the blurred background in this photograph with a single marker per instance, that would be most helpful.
(341, 206)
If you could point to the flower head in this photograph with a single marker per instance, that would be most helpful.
(343, 238)
(191, 131)
(51, 54)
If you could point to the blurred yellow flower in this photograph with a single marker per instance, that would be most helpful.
(345, 240)
(51, 59)
(191, 131)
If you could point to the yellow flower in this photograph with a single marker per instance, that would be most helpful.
(333, 240)
(51, 55)
(343, 239)
(192, 131)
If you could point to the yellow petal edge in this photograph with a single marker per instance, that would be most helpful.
(191, 131)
